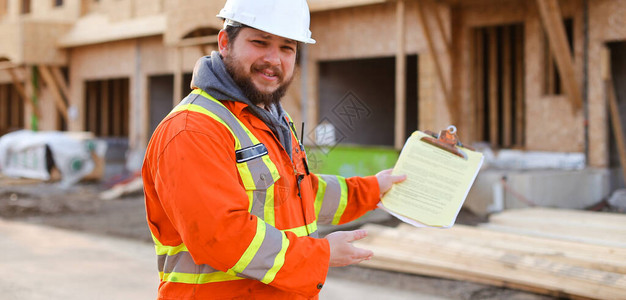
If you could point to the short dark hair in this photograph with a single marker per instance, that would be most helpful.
(232, 32)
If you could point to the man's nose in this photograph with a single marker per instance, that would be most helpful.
(272, 56)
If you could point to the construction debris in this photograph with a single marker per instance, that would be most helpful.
(554, 263)
(38, 155)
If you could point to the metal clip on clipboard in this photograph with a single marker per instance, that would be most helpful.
(446, 140)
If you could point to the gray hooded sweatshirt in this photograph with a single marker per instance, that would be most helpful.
(211, 76)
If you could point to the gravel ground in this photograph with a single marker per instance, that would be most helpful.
(79, 208)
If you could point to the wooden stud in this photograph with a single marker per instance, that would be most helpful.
(442, 31)
(493, 85)
(16, 115)
(48, 78)
(125, 106)
(440, 76)
(117, 106)
(21, 91)
(4, 103)
(616, 123)
(549, 73)
(105, 100)
(553, 25)
(92, 107)
(507, 109)
(400, 87)
(519, 86)
(61, 82)
(479, 83)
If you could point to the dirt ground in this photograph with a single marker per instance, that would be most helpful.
(79, 208)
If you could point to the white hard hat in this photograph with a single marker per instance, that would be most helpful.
(286, 18)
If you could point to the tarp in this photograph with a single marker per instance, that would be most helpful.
(31, 154)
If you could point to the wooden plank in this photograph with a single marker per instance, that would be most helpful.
(482, 262)
(105, 116)
(21, 91)
(59, 102)
(549, 73)
(442, 31)
(4, 103)
(16, 115)
(400, 81)
(519, 86)
(125, 107)
(438, 69)
(493, 85)
(479, 79)
(603, 229)
(117, 106)
(557, 37)
(61, 82)
(616, 123)
(507, 101)
(92, 107)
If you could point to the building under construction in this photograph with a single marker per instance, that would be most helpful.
(515, 74)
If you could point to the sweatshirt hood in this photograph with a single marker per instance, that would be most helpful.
(210, 75)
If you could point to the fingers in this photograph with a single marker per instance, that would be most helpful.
(398, 178)
(355, 235)
(361, 254)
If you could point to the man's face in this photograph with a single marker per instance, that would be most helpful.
(261, 64)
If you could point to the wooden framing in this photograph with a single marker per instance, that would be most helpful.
(104, 108)
(493, 84)
(4, 102)
(438, 68)
(400, 88)
(60, 80)
(479, 82)
(507, 101)
(117, 107)
(21, 91)
(48, 78)
(557, 38)
(519, 88)
(92, 101)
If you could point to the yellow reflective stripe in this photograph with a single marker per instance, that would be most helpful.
(278, 262)
(169, 250)
(268, 210)
(319, 196)
(246, 178)
(302, 230)
(342, 202)
(197, 278)
(252, 249)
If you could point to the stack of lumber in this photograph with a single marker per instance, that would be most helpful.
(576, 254)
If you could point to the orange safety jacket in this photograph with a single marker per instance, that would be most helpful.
(231, 215)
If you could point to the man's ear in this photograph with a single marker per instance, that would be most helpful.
(222, 42)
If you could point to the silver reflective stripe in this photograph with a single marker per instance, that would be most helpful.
(260, 173)
(182, 263)
(330, 203)
(226, 115)
(264, 258)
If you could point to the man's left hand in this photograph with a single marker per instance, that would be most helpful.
(386, 180)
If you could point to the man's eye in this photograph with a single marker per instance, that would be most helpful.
(288, 48)
(259, 42)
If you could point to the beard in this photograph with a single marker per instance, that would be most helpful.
(248, 88)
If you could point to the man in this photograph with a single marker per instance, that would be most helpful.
(230, 202)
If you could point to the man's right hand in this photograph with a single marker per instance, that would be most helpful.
(342, 253)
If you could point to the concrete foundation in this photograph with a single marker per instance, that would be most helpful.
(575, 189)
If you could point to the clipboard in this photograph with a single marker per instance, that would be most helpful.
(440, 172)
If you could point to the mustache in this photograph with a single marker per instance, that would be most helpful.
(262, 66)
